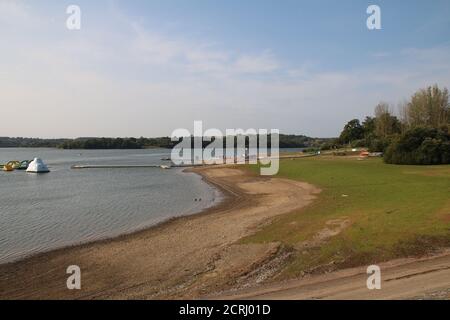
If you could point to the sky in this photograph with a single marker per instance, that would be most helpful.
(146, 68)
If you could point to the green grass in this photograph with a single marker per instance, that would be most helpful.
(394, 211)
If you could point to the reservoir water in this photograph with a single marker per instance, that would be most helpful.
(66, 207)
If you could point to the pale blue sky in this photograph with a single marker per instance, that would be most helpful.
(149, 67)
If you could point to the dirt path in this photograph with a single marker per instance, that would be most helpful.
(184, 258)
(427, 278)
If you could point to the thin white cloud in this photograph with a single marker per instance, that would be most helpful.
(153, 48)
(265, 62)
(381, 54)
(197, 57)
(12, 12)
(141, 82)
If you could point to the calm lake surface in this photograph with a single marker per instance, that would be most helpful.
(66, 207)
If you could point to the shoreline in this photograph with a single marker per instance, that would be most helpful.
(17, 278)
(200, 256)
(215, 203)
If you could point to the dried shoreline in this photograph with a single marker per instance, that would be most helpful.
(224, 196)
(200, 256)
(185, 257)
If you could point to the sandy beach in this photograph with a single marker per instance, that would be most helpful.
(187, 257)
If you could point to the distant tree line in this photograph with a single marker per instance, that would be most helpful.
(286, 141)
(7, 142)
(117, 143)
(419, 135)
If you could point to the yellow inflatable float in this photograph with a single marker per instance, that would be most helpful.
(13, 165)
(7, 167)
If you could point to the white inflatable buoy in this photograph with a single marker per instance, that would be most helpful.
(37, 166)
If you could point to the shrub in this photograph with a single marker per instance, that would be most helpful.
(420, 146)
(361, 143)
(379, 144)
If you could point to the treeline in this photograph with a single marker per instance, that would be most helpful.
(87, 143)
(117, 143)
(418, 135)
(286, 141)
(301, 141)
(7, 142)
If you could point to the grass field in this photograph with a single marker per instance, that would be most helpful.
(367, 212)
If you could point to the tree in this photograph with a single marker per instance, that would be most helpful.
(420, 145)
(353, 130)
(369, 127)
(385, 123)
(428, 107)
